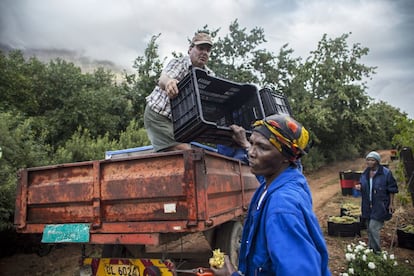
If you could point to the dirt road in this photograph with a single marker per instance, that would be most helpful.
(328, 198)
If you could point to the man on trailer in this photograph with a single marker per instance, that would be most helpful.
(157, 115)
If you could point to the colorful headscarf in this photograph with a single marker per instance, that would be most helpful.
(286, 134)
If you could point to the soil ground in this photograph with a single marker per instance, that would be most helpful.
(327, 199)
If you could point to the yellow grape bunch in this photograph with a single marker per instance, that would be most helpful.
(217, 260)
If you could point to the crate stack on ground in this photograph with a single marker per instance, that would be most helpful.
(405, 235)
(348, 180)
(344, 226)
(348, 223)
(353, 210)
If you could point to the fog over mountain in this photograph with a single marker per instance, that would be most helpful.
(87, 64)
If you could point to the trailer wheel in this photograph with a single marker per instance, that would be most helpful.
(44, 249)
(228, 239)
(113, 251)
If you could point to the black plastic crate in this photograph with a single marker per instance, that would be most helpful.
(362, 221)
(344, 229)
(406, 154)
(356, 175)
(274, 102)
(346, 175)
(346, 191)
(206, 107)
(405, 240)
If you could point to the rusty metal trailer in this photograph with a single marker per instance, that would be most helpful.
(136, 200)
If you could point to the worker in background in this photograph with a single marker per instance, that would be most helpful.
(377, 186)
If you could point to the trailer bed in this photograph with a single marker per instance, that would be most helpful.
(134, 200)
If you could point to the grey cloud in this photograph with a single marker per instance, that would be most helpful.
(118, 31)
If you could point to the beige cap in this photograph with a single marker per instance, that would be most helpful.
(202, 38)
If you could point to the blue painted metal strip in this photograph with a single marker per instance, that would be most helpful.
(62, 233)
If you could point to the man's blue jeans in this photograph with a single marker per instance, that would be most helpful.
(374, 228)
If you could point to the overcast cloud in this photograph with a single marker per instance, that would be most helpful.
(119, 30)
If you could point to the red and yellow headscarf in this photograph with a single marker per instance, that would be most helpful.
(285, 133)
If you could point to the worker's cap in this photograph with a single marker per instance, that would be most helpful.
(374, 155)
(202, 38)
(286, 134)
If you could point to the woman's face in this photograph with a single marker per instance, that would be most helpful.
(264, 158)
(371, 163)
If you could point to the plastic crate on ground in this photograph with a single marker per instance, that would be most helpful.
(362, 221)
(356, 175)
(405, 240)
(346, 191)
(346, 175)
(206, 107)
(344, 230)
(347, 181)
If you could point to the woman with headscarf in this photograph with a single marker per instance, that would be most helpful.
(377, 186)
(281, 234)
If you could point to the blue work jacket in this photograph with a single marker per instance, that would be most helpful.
(283, 236)
(383, 184)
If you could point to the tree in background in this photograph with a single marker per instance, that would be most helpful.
(380, 127)
(404, 136)
(21, 147)
(331, 88)
(61, 98)
(240, 56)
(17, 80)
(54, 113)
(404, 139)
(139, 85)
(84, 146)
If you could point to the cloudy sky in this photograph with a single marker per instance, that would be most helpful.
(119, 30)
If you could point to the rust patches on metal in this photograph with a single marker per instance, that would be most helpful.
(21, 200)
(183, 191)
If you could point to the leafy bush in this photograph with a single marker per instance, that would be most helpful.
(81, 147)
(133, 136)
(21, 147)
(313, 160)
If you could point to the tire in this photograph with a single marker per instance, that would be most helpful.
(113, 251)
(44, 249)
(228, 239)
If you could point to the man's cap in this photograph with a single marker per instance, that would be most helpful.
(202, 38)
(375, 155)
(286, 134)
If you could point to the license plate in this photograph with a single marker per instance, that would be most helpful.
(121, 270)
(128, 267)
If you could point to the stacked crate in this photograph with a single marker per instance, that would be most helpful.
(348, 180)
(206, 106)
